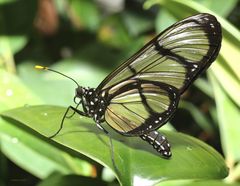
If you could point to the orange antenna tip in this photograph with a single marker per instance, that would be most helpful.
(41, 67)
(49, 69)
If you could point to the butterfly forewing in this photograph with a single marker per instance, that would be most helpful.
(180, 52)
(148, 85)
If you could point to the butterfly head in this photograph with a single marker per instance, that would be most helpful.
(80, 91)
(84, 94)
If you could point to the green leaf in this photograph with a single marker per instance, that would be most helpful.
(204, 86)
(20, 146)
(6, 1)
(137, 22)
(57, 179)
(222, 8)
(37, 156)
(228, 118)
(134, 162)
(114, 33)
(196, 183)
(84, 14)
(227, 80)
(164, 19)
(17, 43)
(12, 91)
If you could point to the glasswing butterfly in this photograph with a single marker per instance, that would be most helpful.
(142, 94)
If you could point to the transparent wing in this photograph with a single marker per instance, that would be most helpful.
(140, 106)
(176, 56)
(143, 92)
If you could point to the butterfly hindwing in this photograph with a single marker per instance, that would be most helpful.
(139, 106)
(149, 84)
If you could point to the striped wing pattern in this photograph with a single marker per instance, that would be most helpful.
(149, 84)
(141, 105)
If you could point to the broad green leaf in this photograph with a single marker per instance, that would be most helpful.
(225, 77)
(57, 179)
(221, 7)
(22, 147)
(134, 161)
(196, 183)
(37, 156)
(228, 118)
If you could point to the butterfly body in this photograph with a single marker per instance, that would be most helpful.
(142, 94)
(159, 142)
(95, 105)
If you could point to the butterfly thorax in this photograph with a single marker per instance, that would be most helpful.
(94, 105)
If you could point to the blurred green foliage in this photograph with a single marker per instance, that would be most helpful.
(87, 40)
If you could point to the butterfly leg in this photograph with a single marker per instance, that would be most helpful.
(73, 111)
(159, 142)
(65, 116)
(110, 146)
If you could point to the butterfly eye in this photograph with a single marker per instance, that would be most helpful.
(79, 92)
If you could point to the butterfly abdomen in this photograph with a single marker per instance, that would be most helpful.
(159, 142)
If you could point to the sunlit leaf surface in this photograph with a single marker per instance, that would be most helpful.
(134, 161)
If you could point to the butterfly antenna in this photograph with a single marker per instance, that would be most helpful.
(49, 69)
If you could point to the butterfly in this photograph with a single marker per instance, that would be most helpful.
(142, 94)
